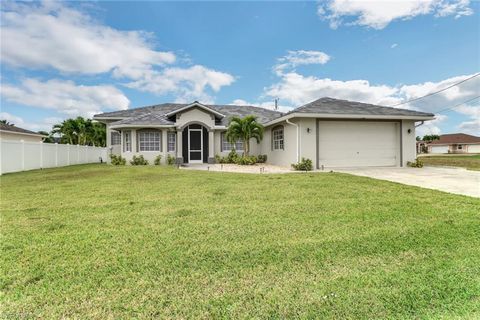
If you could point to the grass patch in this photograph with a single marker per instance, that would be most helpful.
(100, 242)
(471, 162)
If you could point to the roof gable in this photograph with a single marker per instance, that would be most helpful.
(196, 104)
(455, 138)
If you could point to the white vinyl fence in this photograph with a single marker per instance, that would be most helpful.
(22, 155)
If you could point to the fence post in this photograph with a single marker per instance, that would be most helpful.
(56, 154)
(68, 154)
(41, 155)
(23, 154)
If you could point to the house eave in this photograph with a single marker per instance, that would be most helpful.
(139, 126)
(24, 133)
(346, 116)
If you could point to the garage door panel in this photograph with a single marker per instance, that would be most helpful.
(351, 144)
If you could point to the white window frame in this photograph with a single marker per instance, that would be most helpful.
(127, 141)
(227, 146)
(278, 138)
(154, 145)
(171, 145)
(115, 134)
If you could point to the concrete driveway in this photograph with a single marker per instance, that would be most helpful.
(453, 180)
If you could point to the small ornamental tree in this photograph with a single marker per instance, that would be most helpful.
(244, 129)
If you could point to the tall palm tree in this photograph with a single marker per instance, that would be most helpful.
(6, 122)
(244, 129)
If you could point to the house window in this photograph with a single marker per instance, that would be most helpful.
(460, 147)
(171, 141)
(116, 138)
(277, 138)
(227, 146)
(127, 141)
(149, 140)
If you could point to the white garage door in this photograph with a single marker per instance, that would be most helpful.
(439, 149)
(358, 143)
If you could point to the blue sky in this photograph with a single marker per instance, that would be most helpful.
(60, 60)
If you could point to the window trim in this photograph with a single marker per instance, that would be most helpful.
(115, 134)
(281, 141)
(144, 131)
(127, 141)
(174, 135)
(223, 141)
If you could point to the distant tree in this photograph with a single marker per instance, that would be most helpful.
(6, 122)
(48, 137)
(418, 138)
(81, 131)
(431, 137)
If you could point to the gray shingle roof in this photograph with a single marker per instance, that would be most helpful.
(337, 106)
(11, 128)
(157, 112)
(155, 115)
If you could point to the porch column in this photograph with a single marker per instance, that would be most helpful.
(211, 147)
(179, 159)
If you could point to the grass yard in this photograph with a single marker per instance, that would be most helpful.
(102, 242)
(471, 162)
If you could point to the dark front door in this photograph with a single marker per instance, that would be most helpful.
(195, 145)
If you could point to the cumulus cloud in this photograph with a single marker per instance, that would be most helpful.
(431, 127)
(298, 58)
(65, 96)
(186, 83)
(42, 125)
(378, 14)
(54, 35)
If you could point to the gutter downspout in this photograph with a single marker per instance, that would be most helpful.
(421, 124)
(298, 137)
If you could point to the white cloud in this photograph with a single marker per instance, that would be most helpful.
(431, 127)
(42, 125)
(298, 58)
(186, 83)
(393, 46)
(470, 127)
(378, 14)
(65, 96)
(55, 35)
(298, 89)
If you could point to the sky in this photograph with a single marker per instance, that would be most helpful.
(66, 59)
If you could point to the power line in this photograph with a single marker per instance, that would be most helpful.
(457, 105)
(432, 93)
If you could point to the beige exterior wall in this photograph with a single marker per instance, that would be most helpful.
(281, 157)
(255, 148)
(409, 142)
(195, 115)
(148, 155)
(18, 137)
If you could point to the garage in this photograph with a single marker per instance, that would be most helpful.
(439, 149)
(358, 143)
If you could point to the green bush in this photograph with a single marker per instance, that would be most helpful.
(158, 160)
(117, 160)
(304, 165)
(415, 164)
(170, 160)
(232, 157)
(246, 160)
(261, 158)
(138, 161)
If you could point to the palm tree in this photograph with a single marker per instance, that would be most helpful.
(244, 129)
(6, 122)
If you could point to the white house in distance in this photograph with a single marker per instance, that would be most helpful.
(14, 133)
(330, 132)
(455, 143)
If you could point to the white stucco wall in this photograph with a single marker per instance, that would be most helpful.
(255, 148)
(473, 148)
(281, 157)
(408, 141)
(18, 137)
(148, 155)
(195, 115)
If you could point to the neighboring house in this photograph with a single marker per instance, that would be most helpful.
(14, 133)
(455, 143)
(330, 132)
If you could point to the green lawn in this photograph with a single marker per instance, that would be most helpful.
(96, 241)
(471, 162)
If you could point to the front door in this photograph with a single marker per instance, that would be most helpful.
(195, 145)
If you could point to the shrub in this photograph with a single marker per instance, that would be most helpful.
(170, 160)
(138, 161)
(158, 160)
(261, 158)
(232, 156)
(415, 164)
(246, 160)
(117, 160)
(304, 165)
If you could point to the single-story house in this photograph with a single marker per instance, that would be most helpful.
(330, 132)
(455, 143)
(14, 133)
